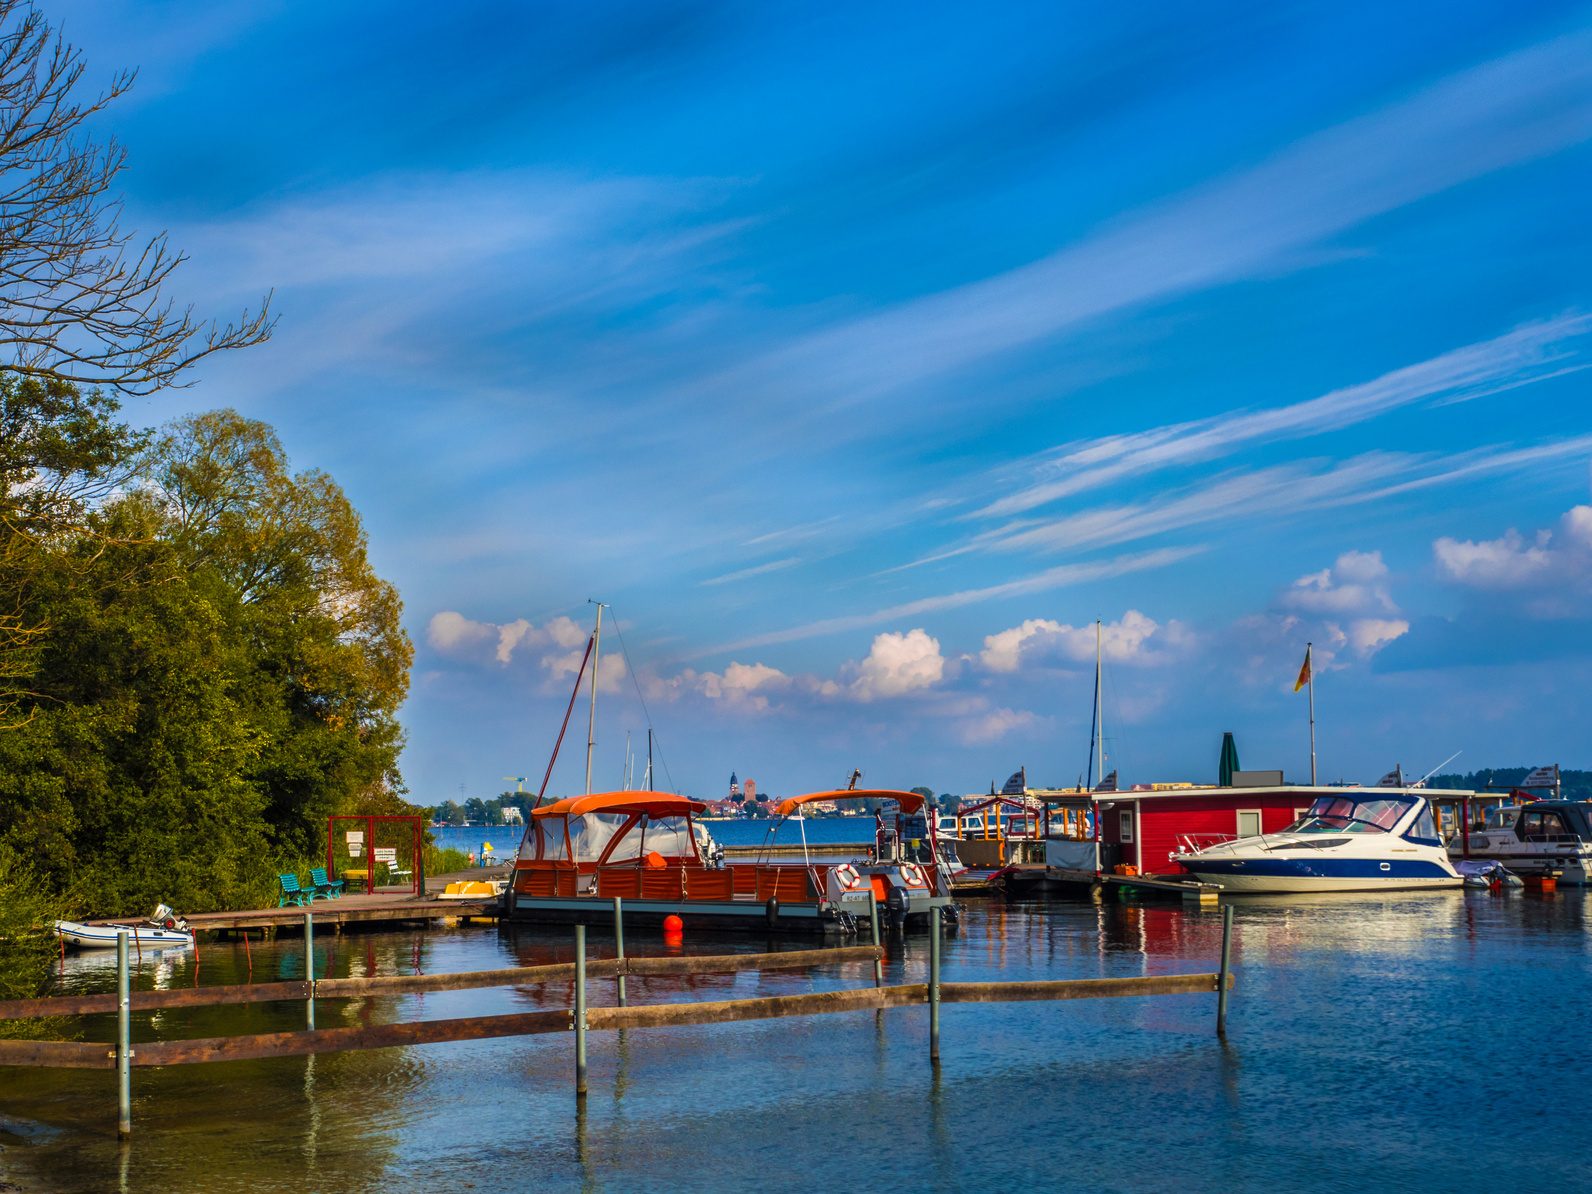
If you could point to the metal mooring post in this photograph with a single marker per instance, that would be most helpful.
(580, 1011)
(309, 967)
(124, 1040)
(619, 938)
(934, 985)
(1221, 982)
(873, 921)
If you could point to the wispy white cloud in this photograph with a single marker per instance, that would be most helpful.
(1527, 354)
(772, 566)
(1051, 578)
(1502, 113)
(1270, 492)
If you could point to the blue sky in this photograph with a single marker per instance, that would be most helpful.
(862, 356)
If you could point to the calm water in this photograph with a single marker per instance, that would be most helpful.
(1399, 1042)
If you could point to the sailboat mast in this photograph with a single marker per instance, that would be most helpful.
(650, 788)
(591, 728)
(1100, 703)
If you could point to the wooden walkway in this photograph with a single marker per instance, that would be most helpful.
(396, 905)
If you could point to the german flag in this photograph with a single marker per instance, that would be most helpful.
(1304, 672)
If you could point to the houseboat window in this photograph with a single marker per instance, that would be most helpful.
(1344, 814)
(1248, 822)
(1127, 828)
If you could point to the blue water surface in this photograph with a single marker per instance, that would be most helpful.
(1387, 1042)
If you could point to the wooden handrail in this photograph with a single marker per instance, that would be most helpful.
(402, 984)
(78, 1055)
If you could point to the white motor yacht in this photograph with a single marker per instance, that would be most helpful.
(1363, 840)
(1544, 837)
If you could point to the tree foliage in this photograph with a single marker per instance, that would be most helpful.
(216, 666)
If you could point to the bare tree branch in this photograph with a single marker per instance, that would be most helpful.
(78, 302)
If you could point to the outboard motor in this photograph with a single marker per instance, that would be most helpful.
(167, 919)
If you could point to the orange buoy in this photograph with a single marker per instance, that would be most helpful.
(673, 924)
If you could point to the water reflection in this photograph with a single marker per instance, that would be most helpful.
(1342, 1003)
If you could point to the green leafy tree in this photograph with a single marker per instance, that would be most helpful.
(282, 558)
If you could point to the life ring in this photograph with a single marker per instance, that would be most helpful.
(846, 875)
(913, 875)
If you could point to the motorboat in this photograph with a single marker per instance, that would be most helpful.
(907, 871)
(643, 847)
(163, 929)
(1540, 838)
(1361, 840)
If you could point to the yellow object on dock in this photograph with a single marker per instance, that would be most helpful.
(469, 889)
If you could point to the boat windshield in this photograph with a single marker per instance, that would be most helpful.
(1345, 814)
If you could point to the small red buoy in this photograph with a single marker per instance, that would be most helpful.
(673, 924)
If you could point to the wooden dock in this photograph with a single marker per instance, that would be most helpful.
(360, 908)
(1188, 889)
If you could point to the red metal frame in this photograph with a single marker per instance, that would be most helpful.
(370, 822)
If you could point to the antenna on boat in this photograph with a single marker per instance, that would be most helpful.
(591, 729)
(1418, 783)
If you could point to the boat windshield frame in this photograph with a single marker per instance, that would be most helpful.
(1342, 813)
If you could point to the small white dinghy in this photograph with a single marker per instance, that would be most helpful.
(163, 930)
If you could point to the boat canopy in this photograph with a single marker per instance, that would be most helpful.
(654, 804)
(610, 827)
(910, 802)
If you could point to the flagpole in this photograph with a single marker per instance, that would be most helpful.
(1310, 664)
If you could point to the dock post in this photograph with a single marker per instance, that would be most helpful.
(580, 1011)
(1221, 982)
(934, 985)
(124, 1040)
(873, 921)
(309, 968)
(619, 940)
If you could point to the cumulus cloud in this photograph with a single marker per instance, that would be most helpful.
(1133, 639)
(898, 664)
(1356, 584)
(452, 633)
(1349, 604)
(1551, 572)
(558, 645)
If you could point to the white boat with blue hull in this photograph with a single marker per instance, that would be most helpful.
(1362, 840)
(162, 930)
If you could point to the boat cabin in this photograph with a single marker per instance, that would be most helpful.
(1147, 829)
(647, 849)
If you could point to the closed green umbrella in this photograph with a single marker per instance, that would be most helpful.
(1229, 763)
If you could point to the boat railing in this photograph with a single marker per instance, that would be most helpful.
(1193, 843)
